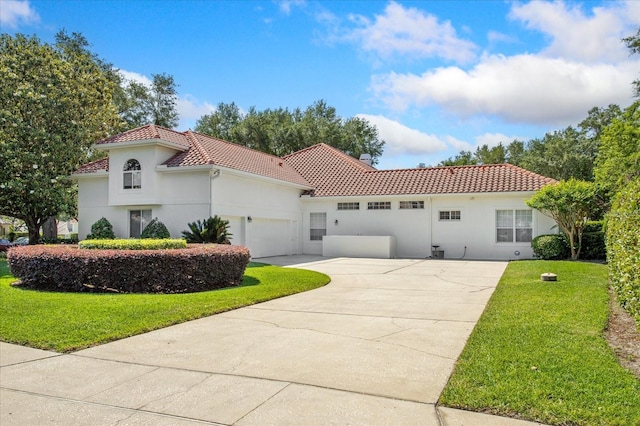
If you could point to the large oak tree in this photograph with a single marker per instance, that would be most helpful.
(56, 102)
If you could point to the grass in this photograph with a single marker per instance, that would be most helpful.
(538, 351)
(67, 322)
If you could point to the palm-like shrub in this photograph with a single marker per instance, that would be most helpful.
(156, 230)
(213, 230)
(101, 230)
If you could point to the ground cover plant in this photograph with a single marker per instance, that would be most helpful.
(538, 352)
(66, 322)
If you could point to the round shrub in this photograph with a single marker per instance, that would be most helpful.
(133, 244)
(155, 229)
(65, 268)
(551, 247)
(101, 230)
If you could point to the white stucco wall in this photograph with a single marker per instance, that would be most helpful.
(180, 196)
(417, 230)
(274, 209)
(410, 226)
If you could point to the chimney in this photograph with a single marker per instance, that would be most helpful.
(366, 159)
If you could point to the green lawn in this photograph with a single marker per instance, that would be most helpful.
(69, 321)
(538, 352)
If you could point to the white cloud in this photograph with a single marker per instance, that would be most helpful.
(15, 12)
(519, 89)
(134, 76)
(578, 36)
(190, 109)
(286, 5)
(401, 139)
(409, 32)
(495, 139)
(498, 37)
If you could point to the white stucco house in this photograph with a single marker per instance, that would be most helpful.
(314, 201)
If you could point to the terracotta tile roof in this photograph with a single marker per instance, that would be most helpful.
(94, 166)
(208, 150)
(331, 175)
(148, 132)
(205, 150)
(330, 171)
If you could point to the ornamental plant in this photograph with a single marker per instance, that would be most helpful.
(155, 229)
(214, 230)
(101, 230)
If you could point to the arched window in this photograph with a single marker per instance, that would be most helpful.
(132, 176)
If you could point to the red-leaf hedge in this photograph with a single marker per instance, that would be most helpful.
(64, 268)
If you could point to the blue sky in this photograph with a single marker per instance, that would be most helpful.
(435, 77)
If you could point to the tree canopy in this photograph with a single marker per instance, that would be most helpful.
(57, 100)
(618, 160)
(570, 204)
(139, 105)
(281, 131)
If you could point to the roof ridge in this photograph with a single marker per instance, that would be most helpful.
(197, 145)
(266, 154)
(550, 179)
(336, 152)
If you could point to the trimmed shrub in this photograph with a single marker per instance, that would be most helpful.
(593, 246)
(133, 244)
(623, 247)
(155, 229)
(213, 230)
(551, 247)
(101, 230)
(65, 268)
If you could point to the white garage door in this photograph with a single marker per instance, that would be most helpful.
(268, 237)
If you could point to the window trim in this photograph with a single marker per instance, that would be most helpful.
(133, 169)
(514, 227)
(379, 205)
(143, 222)
(349, 205)
(450, 215)
(318, 215)
(412, 205)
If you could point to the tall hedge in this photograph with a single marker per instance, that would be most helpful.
(623, 247)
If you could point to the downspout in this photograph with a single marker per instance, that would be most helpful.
(214, 173)
(430, 228)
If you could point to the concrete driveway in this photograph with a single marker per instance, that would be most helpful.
(376, 346)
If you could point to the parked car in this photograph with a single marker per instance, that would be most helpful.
(21, 241)
(5, 244)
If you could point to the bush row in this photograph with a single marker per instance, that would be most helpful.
(133, 244)
(623, 247)
(65, 268)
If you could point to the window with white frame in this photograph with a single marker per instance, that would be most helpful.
(379, 205)
(138, 220)
(449, 215)
(132, 175)
(514, 226)
(411, 205)
(317, 226)
(349, 206)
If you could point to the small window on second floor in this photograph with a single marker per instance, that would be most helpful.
(132, 175)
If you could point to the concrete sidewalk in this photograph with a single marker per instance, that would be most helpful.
(374, 347)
